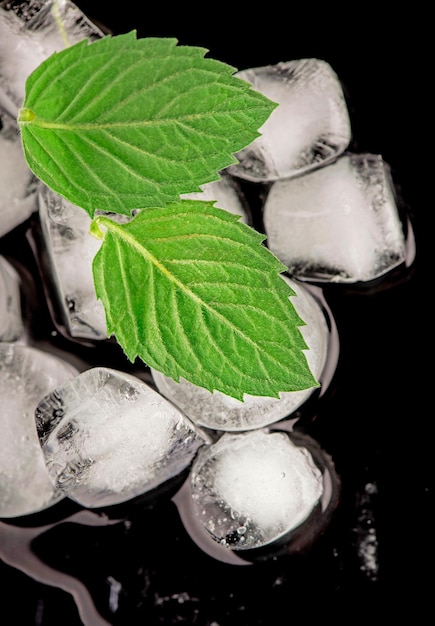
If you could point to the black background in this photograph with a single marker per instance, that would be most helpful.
(376, 420)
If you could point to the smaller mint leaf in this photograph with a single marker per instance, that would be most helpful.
(125, 123)
(192, 291)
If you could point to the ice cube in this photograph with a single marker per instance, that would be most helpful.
(221, 412)
(108, 437)
(26, 376)
(29, 33)
(340, 223)
(250, 489)
(17, 183)
(310, 127)
(67, 255)
(227, 195)
(11, 321)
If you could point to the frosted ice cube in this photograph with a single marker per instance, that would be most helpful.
(250, 489)
(310, 127)
(69, 250)
(108, 437)
(221, 412)
(227, 195)
(11, 321)
(26, 376)
(340, 223)
(29, 34)
(17, 183)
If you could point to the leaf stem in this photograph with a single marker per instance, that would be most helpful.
(55, 9)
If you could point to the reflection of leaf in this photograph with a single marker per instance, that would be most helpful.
(126, 123)
(193, 292)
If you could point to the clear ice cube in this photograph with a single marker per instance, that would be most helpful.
(17, 183)
(11, 321)
(250, 489)
(339, 223)
(26, 376)
(29, 33)
(221, 412)
(108, 437)
(309, 128)
(68, 252)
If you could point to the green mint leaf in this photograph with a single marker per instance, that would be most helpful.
(194, 293)
(126, 123)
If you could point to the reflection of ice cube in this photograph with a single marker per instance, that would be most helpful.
(339, 223)
(108, 437)
(221, 412)
(69, 251)
(11, 322)
(17, 186)
(226, 194)
(26, 376)
(249, 489)
(30, 33)
(310, 126)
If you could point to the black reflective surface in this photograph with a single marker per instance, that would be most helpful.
(141, 566)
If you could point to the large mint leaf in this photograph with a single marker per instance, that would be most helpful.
(126, 123)
(194, 293)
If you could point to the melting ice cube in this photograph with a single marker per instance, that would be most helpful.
(68, 253)
(108, 437)
(250, 489)
(339, 223)
(26, 376)
(310, 127)
(11, 321)
(29, 33)
(221, 412)
(17, 184)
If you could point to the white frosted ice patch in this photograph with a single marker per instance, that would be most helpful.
(339, 223)
(26, 376)
(108, 437)
(11, 321)
(17, 184)
(29, 34)
(250, 489)
(226, 194)
(310, 126)
(70, 250)
(221, 412)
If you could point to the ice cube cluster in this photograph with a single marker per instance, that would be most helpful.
(101, 436)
